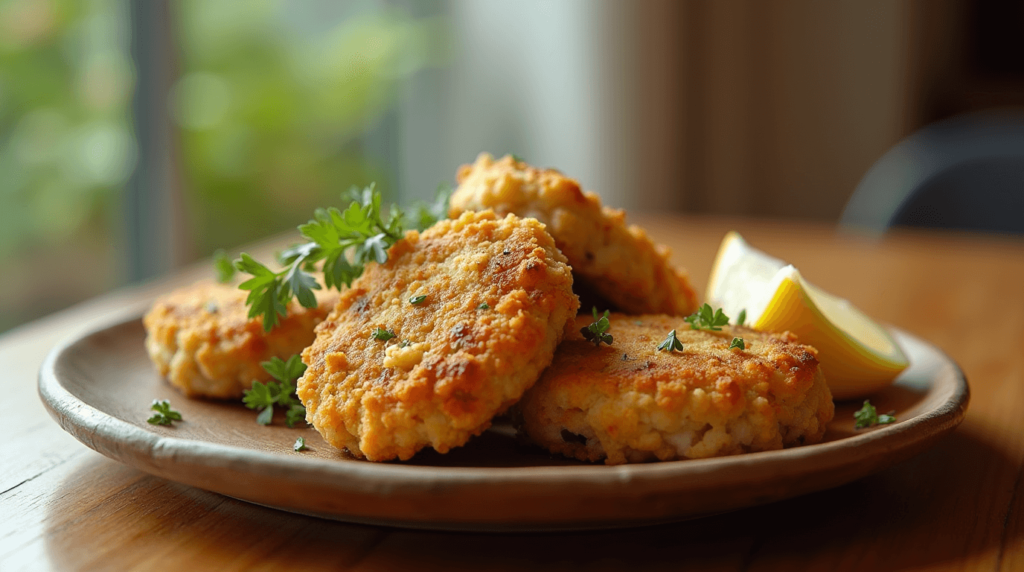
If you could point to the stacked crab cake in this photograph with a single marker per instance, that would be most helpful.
(202, 340)
(426, 348)
(466, 319)
(634, 402)
(618, 262)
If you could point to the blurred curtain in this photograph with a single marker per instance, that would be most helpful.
(590, 87)
(726, 107)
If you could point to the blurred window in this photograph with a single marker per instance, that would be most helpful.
(66, 150)
(272, 108)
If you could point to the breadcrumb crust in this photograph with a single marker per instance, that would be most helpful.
(451, 366)
(617, 261)
(630, 402)
(201, 338)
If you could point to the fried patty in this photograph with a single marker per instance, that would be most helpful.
(497, 296)
(629, 402)
(202, 340)
(616, 261)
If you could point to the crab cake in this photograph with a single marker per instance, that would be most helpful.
(426, 348)
(619, 263)
(630, 402)
(202, 339)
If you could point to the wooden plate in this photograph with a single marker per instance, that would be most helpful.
(99, 386)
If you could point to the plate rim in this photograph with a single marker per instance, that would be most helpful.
(98, 430)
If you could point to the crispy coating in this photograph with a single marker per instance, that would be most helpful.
(630, 402)
(452, 365)
(617, 262)
(202, 340)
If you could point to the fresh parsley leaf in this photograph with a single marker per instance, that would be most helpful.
(263, 397)
(671, 343)
(596, 332)
(259, 396)
(483, 306)
(285, 371)
(342, 242)
(266, 291)
(417, 299)
(266, 416)
(742, 318)
(222, 264)
(382, 335)
(296, 414)
(737, 343)
(707, 319)
(867, 416)
(300, 445)
(164, 414)
(281, 393)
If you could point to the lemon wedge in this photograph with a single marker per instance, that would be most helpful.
(858, 357)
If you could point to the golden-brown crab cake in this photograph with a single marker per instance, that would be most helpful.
(202, 339)
(630, 402)
(618, 262)
(476, 306)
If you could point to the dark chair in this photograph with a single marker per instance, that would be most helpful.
(963, 173)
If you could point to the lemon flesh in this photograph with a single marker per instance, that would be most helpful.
(858, 357)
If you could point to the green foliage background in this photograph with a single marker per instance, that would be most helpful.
(273, 102)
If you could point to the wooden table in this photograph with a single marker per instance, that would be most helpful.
(957, 506)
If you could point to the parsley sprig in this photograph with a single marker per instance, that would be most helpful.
(280, 393)
(164, 414)
(597, 331)
(738, 343)
(867, 416)
(361, 233)
(707, 319)
(341, 242)
(671, 343)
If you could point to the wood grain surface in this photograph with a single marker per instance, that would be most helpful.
(956, 506)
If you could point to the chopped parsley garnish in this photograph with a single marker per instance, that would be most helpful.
(742, 318)
(222, 264)
(707, 319)
(382, 335)
(671, 343)
(164, 414)
(281, 393)
(867, 416)
(343, 242)
(597, 331)
(738, 343)
(483, 306)
(300, 445)
(417, 300)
